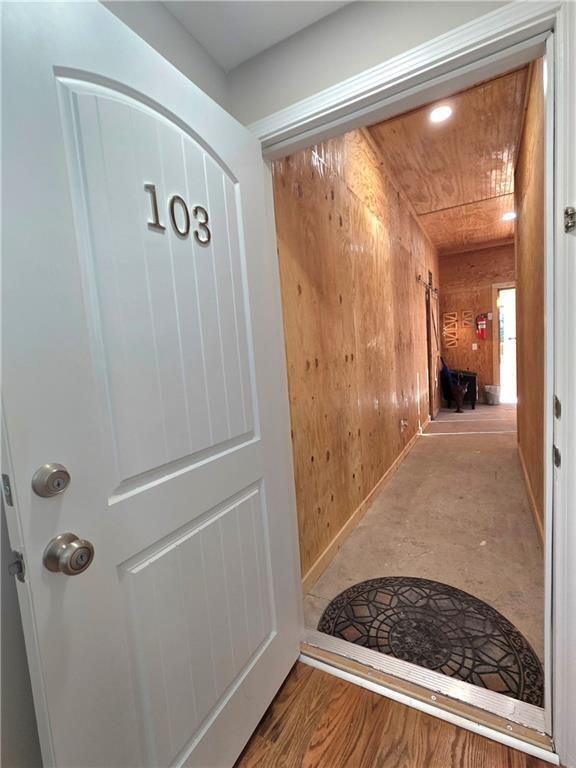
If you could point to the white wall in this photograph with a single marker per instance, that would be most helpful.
(354, 38)
(155, 24)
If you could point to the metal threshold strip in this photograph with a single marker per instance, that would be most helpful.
(453, 699)
(465, 434)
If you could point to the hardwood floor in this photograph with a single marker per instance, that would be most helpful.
(319, 721)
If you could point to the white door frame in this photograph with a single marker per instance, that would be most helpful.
(496, 288)
(502, 40)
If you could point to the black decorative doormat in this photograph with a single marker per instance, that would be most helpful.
(438, 627)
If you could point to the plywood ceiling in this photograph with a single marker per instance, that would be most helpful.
(459, 175)
(464, 226)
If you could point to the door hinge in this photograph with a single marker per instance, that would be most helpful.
(7, 490)
(16, 567)
(557, 407)
(569, 218)
(557, 456)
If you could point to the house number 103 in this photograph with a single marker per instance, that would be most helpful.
(202, 235)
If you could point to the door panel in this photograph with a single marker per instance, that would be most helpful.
(149, 361)
(168, 313)
(219, 627)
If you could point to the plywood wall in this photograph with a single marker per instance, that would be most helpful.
(529, 194)
(466, 281)
(350, 251)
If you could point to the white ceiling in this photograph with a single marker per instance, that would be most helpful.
(233, 32)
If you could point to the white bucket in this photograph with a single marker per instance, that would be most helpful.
(492, 392)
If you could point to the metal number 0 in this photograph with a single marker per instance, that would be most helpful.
(177, 199)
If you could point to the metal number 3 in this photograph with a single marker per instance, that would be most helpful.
(201, 216)
(202, 235)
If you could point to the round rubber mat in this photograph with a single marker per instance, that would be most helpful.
(438, 627)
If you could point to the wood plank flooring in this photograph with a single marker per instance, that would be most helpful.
(319, 721)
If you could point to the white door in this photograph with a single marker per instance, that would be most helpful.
(143, 351)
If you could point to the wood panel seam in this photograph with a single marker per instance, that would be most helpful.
(488, 244)
(529, 81)
(387, 171)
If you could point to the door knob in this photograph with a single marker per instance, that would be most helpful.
(68, 554)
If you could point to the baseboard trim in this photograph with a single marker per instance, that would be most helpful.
(459, 713)
(538, 519)
(320, 565)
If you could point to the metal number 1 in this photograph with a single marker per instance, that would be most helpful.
(155, 223)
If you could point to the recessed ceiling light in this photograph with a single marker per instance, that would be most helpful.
(439, 114)
(509, 216)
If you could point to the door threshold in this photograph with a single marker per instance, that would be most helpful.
(512, 722)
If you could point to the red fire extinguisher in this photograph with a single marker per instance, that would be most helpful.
(482, 326)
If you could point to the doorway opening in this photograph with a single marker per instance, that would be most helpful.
(411, 252)
(507, 344)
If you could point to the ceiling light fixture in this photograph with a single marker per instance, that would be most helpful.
(441, 113)
(509, 216)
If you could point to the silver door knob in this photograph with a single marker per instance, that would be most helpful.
(50, 480)
(68, 554)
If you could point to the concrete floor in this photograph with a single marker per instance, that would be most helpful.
(456, 511)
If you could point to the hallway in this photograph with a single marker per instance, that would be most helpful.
(456, 511)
